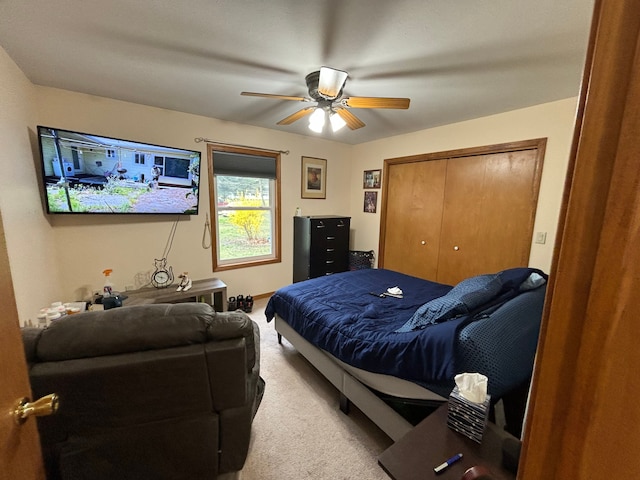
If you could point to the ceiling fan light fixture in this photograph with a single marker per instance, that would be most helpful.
(337, 121)
(316, 127)
(316, 120)
(331, 82)
(325, 87)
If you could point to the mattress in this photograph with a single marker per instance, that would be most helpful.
(341, 315)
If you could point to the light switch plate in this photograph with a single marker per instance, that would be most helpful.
(541, 237)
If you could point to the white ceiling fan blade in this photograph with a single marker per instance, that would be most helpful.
(331, 82)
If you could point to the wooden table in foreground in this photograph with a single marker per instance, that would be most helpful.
(211, 290)
(431, 442)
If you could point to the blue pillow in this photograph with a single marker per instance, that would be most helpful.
(461, 299)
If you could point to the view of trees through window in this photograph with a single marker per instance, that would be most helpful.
(244, 217)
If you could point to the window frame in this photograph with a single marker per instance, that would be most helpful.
(213, 209)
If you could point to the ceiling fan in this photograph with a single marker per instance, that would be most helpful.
(325, 88)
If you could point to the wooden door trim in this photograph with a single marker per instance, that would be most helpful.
(565, 389)
(539, 144)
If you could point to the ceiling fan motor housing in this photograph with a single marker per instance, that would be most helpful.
(312, 84)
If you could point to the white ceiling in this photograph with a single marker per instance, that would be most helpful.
(455, 59)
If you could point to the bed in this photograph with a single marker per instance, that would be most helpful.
(374, 347)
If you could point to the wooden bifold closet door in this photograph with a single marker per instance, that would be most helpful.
(450, 215)
(410, 247)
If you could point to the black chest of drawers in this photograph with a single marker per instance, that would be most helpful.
(320, 246)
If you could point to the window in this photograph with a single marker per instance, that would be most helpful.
(245, 205)
(139, 158)
(177, 167)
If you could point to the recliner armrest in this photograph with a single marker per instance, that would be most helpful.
(228, 325)
(225, 325)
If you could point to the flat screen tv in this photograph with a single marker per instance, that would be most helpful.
(92, 174)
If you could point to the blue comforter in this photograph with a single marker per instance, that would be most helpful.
(339, 314)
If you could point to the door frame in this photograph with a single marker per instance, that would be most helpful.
(583, 412)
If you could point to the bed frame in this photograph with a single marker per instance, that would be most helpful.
(353, 389)
(499, 346)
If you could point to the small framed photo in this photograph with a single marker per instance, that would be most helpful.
(314, 178)
(370, 202)
(371, 179)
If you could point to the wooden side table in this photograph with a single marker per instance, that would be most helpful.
(431, 442)
(212, 291)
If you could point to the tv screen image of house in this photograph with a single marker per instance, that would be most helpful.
(86, 173)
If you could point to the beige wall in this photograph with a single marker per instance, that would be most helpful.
(62, 257)
(552, 120)
(30, 239)
(128, 245)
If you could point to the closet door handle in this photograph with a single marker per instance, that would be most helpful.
(456, 248)
(423, 242)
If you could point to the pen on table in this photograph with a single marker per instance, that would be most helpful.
(448, 462)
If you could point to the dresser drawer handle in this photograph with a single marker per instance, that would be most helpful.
(320, 226)
(331, 238)
(329, 261)
(331, 249)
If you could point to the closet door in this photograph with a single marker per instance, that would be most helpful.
(488, 214)
(450, 215)
(413, 216)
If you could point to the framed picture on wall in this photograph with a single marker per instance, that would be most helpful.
(370, 202)
(314, 178)
(371, 179)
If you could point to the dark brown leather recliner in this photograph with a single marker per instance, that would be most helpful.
(147, 392)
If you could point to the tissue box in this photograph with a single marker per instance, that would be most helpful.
(466, 417)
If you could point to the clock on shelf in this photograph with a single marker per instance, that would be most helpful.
(163, 275)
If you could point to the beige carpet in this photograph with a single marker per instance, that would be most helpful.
(299, 432)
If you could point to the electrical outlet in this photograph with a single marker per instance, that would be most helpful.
(541, 237)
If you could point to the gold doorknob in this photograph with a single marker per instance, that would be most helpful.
(47, 405)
